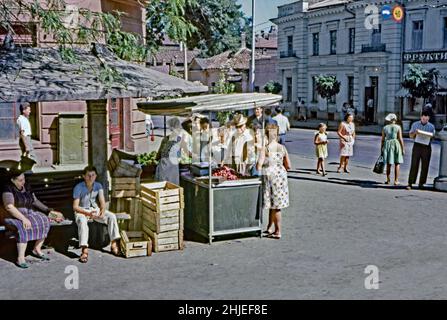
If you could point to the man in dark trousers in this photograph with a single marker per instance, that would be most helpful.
(423, 133)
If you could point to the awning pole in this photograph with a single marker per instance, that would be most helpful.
(164, 120)
(210, 173)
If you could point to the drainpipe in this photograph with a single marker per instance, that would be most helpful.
(402, 69)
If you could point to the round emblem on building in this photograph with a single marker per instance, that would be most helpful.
(398, 13)
(386, 12)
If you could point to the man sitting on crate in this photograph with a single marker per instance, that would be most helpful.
(85, 196)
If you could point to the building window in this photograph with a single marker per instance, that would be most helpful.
(8, 117)
(289, 89)
(316, 44)
(314, 90)
(376, 37)
(290, 46)
(350, 89)
(445, 32)
(417, 36)
(333, 36)
(9, 112)
(351, 40)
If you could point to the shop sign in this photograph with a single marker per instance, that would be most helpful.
(425, 57)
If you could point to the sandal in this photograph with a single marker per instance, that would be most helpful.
(22, 265)
(274, 236)
(267, 232)
(84, 257)
(40, 256)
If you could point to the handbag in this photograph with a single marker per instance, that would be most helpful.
(379, 167)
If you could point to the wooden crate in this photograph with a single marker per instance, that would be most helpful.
(165, 241)
(135, 244)
(123, 164)
(162, 196)
(131, 206)
(162, 221)
(125, 187)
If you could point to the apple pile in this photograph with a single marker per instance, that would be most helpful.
(225, 172)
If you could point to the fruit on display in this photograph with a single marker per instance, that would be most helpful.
(225, 172)
(147, 159)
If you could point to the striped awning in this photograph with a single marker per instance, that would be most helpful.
(209, 103)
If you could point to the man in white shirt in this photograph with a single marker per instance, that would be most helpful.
(24, 127)
(283, 124)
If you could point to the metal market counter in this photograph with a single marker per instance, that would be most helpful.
(236, 206)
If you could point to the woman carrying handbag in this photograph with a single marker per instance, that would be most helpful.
(393, 148)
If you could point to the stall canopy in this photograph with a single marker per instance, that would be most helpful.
(209, 103)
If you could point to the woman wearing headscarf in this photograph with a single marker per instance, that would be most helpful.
(392, 147)
(169, 154)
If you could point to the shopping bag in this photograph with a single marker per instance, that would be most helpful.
(379, 167)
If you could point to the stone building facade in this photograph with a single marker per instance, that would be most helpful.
(330, 37)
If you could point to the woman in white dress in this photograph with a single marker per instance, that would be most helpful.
(274, 162)
(346, 132)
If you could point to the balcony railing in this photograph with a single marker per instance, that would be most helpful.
(287, 54)
(381, 47)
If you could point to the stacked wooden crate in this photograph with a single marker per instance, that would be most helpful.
(125, 172)
(162, 212)
(124, 187)
(131, 206)
(123, 164)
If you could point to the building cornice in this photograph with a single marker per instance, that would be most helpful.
(326, 11)
(361, 4)
(285, 19)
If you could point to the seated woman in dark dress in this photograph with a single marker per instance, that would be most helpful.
(25, 212)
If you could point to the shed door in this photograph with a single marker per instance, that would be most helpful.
(71, 139)
(116, 122)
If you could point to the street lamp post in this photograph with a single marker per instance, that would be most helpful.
(441, 181)
(253, 48)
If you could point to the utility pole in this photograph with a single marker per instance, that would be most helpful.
(185, 57)
(253, 48)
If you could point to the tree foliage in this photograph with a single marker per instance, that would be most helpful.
(327, 86)
(167, 18)
(211, 26)
(73, 28)
(273, 87)
(421, 83)
(224, 87)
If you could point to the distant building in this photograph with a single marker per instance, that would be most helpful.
(236, 66)
(170, 58)
(329, 37)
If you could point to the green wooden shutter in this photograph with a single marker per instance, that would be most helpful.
(71, 138)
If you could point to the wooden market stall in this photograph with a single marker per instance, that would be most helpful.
(214, 207)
